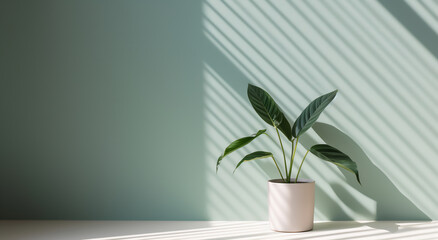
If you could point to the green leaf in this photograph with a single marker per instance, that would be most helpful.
(253, 156)
(285, 128)
(268, 110)
(333, 155)
(238, 144)
(311, 113)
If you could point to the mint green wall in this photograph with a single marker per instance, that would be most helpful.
(102, 110)
(119, 109)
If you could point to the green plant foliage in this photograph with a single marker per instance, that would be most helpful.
(271, 113)
(333, 155)
(238, 144)
(254, 156)
(268, 110)
(311, 113)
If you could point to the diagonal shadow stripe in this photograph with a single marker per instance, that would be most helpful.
(413, 23)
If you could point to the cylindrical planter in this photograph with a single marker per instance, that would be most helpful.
(291, 205)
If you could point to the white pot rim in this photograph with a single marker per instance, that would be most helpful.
(300, 181)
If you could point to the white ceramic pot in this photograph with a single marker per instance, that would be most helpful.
(291, 205)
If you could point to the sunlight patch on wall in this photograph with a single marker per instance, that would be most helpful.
(383, 117)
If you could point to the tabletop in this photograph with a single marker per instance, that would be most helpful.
(212, 230)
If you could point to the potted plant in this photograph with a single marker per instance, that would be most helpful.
(291, 200)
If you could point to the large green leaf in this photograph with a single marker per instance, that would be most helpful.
(238, 144)
(285, 128)
(333, 155)
(254, 156)
(311, 113)
(268, 110)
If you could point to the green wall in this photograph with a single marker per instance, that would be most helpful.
(102, 110)
(119, 109)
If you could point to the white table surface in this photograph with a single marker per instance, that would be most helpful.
(218, 230)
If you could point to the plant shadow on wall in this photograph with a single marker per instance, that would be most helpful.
(378, 187)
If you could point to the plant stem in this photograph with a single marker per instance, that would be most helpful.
(278, 168)
(291, 153)
(282, 149)
(294, 150)
(296, 179)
